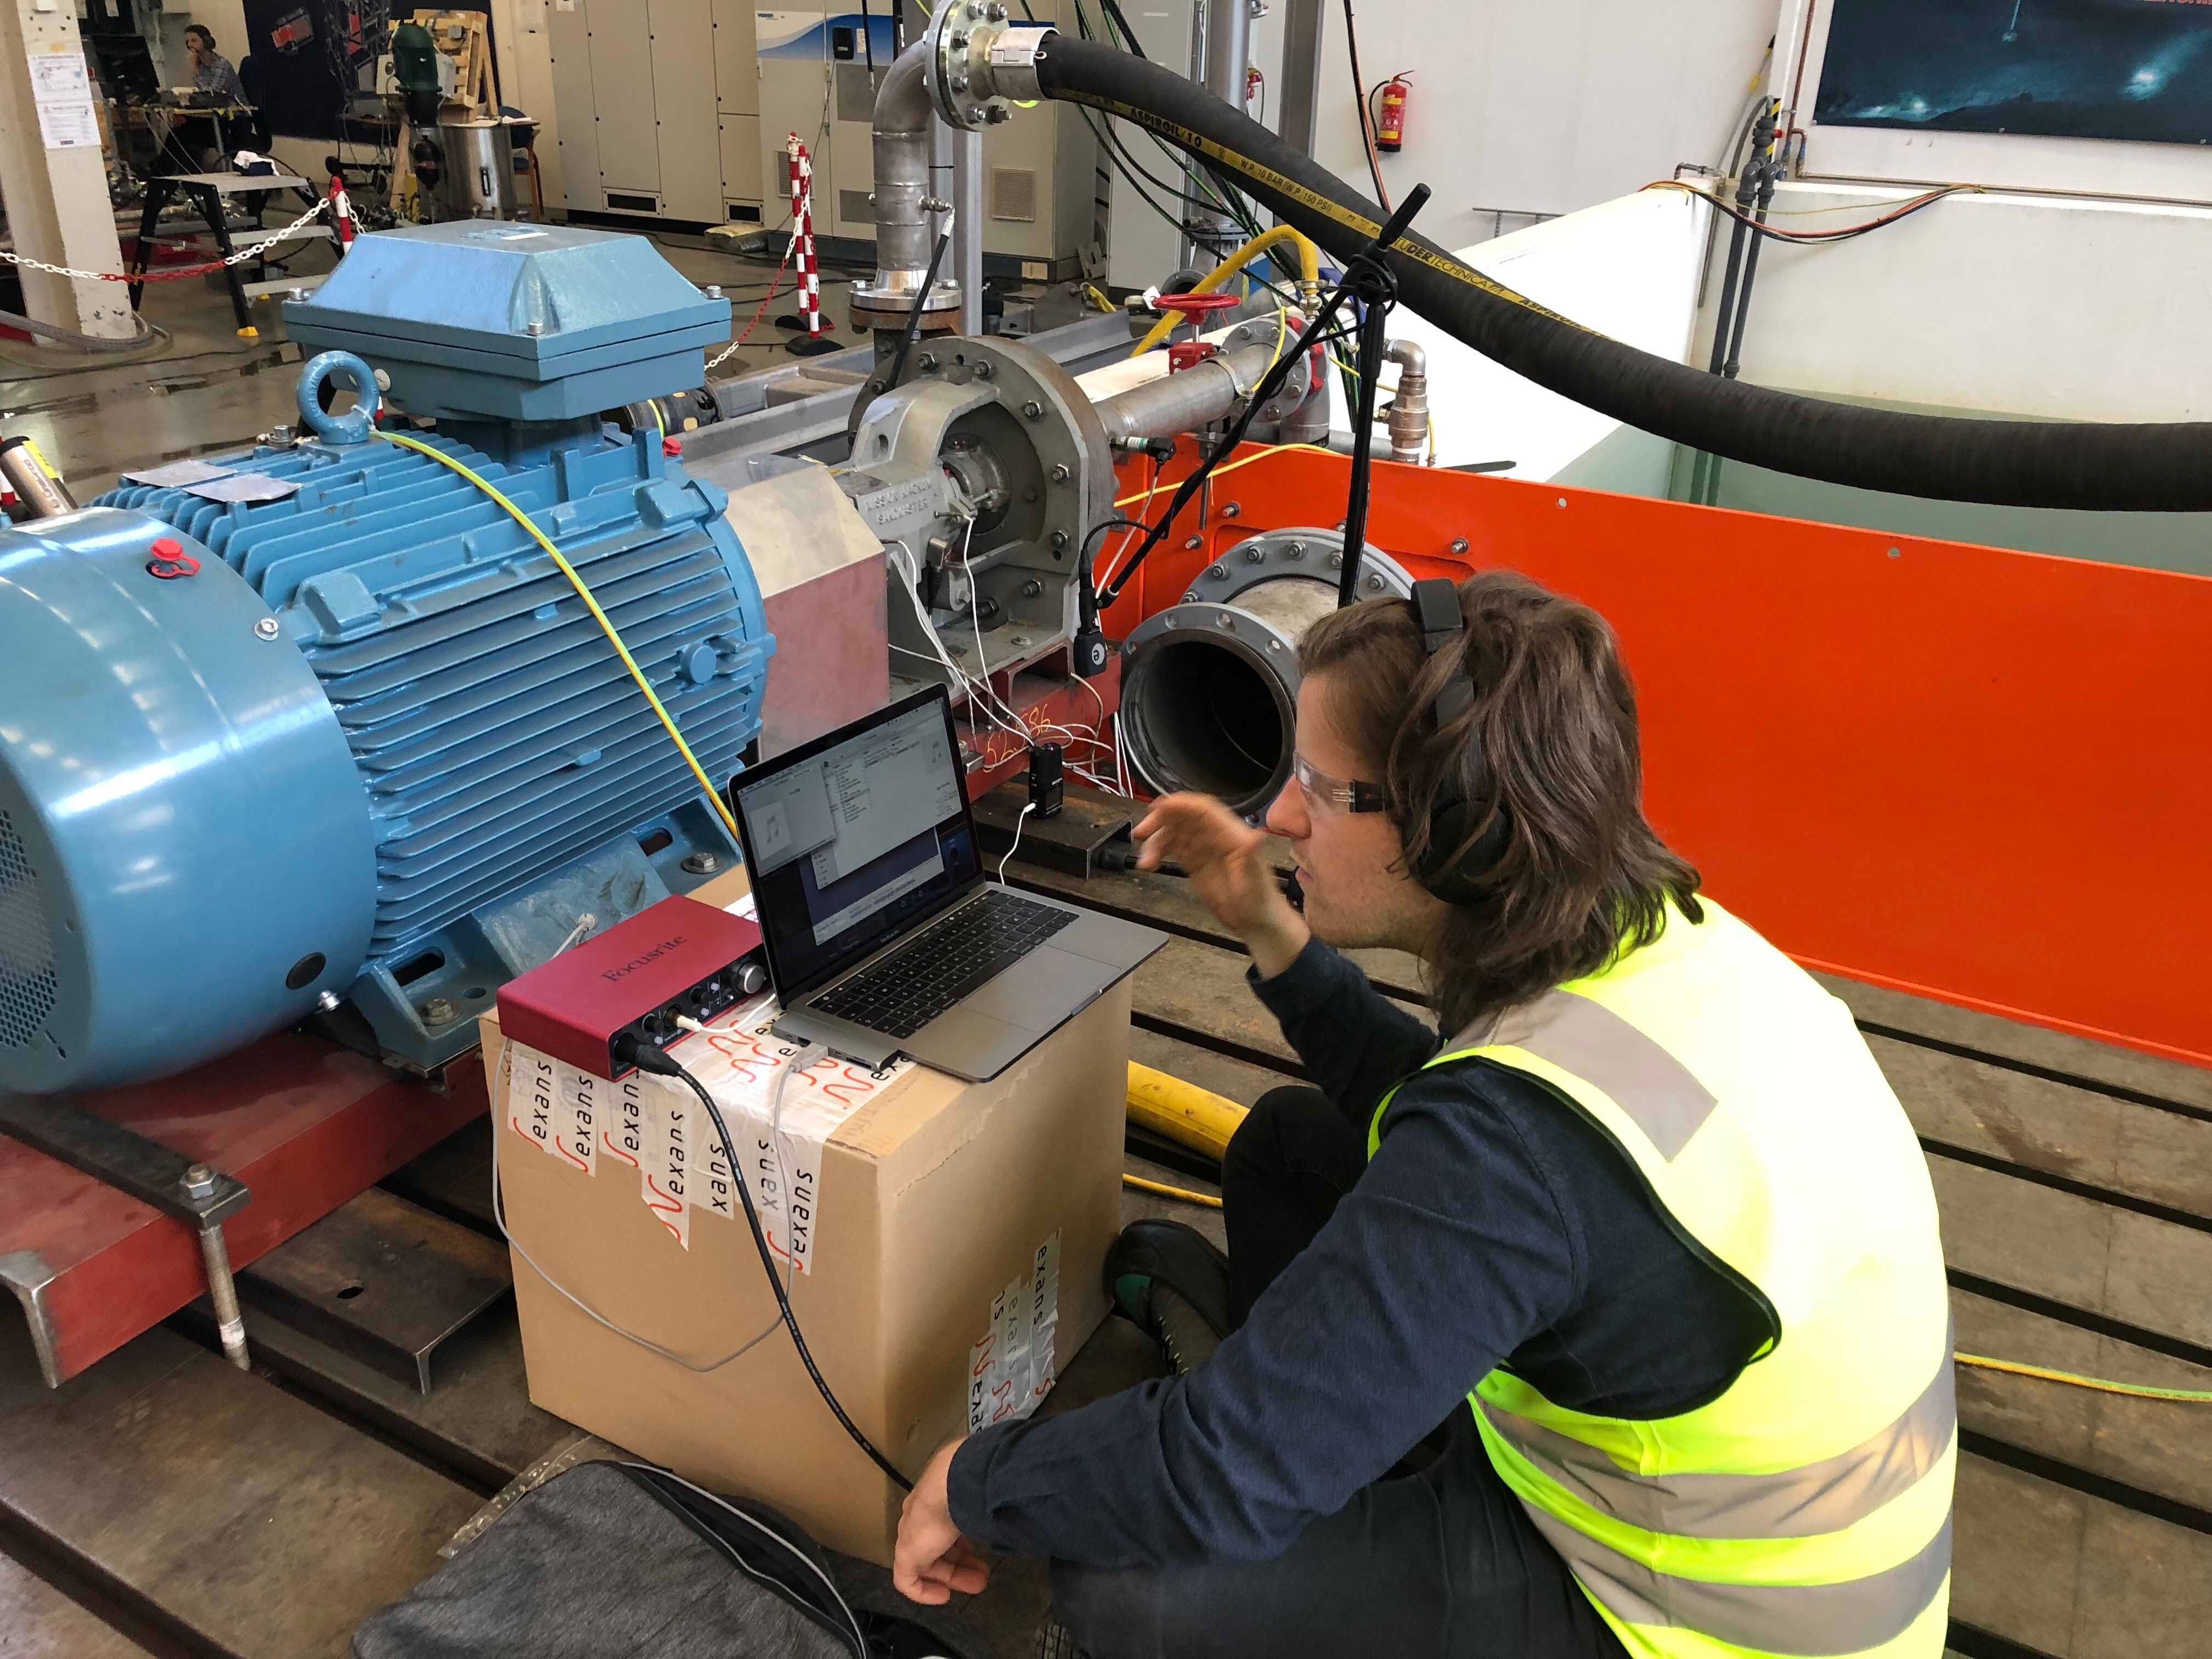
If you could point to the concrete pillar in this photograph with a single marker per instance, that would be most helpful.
(58, 205)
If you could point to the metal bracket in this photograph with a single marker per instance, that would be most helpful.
(192, 1193)
(27, 1273)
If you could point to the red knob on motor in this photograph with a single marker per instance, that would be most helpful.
(167, 560)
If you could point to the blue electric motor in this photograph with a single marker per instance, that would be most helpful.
(363, 744)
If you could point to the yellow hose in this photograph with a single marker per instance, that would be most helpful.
(1308, 278)
(1182, 1112)
(606, 624)
(1166, 1191)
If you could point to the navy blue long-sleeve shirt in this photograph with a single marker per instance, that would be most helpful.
(1495, 1225)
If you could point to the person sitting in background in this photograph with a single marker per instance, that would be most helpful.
(211, 70)
(1648, 1232)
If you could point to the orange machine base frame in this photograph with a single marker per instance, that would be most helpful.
(1958, 771)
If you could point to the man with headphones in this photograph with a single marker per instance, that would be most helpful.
(1646, 1233)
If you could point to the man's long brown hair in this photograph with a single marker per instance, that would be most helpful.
(1582, 876)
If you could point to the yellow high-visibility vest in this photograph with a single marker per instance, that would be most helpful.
(1807, 1510)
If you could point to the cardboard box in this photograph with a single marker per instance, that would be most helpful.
(953, 1221)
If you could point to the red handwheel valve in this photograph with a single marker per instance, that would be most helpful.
(1195, 307)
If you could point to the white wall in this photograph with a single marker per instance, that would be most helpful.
(2013, 304)
(1542, 106)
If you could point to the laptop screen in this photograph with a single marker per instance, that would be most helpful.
(854, 835)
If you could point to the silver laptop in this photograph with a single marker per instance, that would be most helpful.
(883, 936)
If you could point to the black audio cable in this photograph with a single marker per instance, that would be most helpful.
(649, 1057)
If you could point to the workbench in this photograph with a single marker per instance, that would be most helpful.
(267, 1513)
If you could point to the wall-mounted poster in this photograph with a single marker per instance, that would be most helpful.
(2055, 69)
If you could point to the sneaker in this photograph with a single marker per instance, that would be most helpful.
(1155, 1256)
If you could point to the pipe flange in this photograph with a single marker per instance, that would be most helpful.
(1268, 646)
(1276, 333)
(1278, 555)
(1273, 656)
(980, 63)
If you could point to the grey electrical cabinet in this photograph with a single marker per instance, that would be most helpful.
(683, 110)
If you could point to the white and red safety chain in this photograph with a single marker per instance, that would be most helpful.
(776, 282)
(171, 273)
(807, 272)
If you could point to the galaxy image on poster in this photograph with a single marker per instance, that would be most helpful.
(2053, 68)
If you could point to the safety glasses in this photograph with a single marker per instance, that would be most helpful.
(1325, 794)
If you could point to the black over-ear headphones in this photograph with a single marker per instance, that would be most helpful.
(1451, 876)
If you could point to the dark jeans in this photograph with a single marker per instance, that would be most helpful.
(1442, 1565)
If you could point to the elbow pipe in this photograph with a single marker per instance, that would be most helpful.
(2164, 467)
(1409, 406)
(903, 117)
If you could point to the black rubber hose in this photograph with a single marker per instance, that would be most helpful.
(2154, 467)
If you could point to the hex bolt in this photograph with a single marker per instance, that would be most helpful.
(1255, 554)
(222, 1291)
(1193, 543)
(1032, 589)
(1336, 561)
(959, 83)
(975, 8)
(1375, 584)
(1190, 597)
(958, 40)
(1061, 473)
(926, 362)
(296, 296)
(703, 863)
(328, 1002)
(1296, 549)
(997, 114)
(1459, 544)
(267, 628)
(996, 12)
(1232, 511)
(1225, 622)
(437, 1011)
(1218, 572)
(533, 328)
(1033, 410)
(713, 290)
(984, 371)
(1019, 640)
(1060, 538)
(974, 116)
(199, 1182)
(1275, 645)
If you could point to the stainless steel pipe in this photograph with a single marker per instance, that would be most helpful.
(46, 497)
(1199, 396)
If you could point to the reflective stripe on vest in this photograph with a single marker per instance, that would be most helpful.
(1806, 1511)
(1827, 1496)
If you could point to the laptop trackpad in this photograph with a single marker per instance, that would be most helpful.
(1041, 990)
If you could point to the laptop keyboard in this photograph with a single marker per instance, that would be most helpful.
(943, 963)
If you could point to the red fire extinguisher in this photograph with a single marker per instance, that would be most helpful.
(1395, 94)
